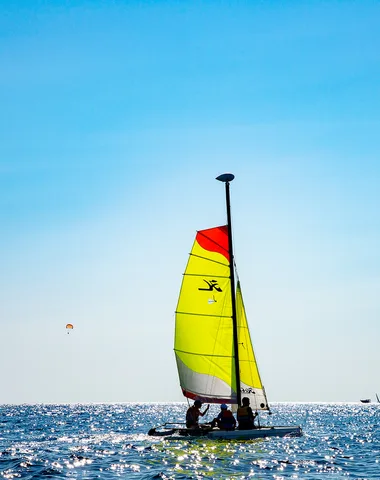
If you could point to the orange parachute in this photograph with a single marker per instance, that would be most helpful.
(69, 326)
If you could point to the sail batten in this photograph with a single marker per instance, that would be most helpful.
(204, 344)
(203, 354)
(208, 259)
(201, 314)
(204, 275)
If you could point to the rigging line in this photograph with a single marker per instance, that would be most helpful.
(236, 270)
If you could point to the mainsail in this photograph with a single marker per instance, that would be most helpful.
(203, 343)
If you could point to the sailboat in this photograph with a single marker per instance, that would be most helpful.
(213, 349)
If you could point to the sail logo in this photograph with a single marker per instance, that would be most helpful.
(247, 390)
(212, 285)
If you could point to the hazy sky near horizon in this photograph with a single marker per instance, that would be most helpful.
(115, 119)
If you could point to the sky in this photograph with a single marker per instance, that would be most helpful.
(115, 119)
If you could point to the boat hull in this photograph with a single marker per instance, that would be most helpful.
(262, 432)
(216, 434)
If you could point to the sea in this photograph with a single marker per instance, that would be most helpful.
(109, 441)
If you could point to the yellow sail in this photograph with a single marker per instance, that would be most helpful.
(250, 381)
(203, 334)
(203, 342)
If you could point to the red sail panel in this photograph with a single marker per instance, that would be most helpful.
(214, 240)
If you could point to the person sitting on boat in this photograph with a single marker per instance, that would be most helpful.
(245, 415)
(225, 420)
(193, 413)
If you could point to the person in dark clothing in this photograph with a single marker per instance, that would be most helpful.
(225, 420)
(245, 415)
(193, 413)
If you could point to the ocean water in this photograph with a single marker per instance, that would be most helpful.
(87, 441)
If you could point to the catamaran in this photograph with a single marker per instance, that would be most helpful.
(213, 349)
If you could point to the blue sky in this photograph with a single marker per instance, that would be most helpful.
(115, 119)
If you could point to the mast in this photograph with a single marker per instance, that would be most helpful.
(227, 178)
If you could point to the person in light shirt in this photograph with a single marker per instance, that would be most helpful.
(193, 413)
